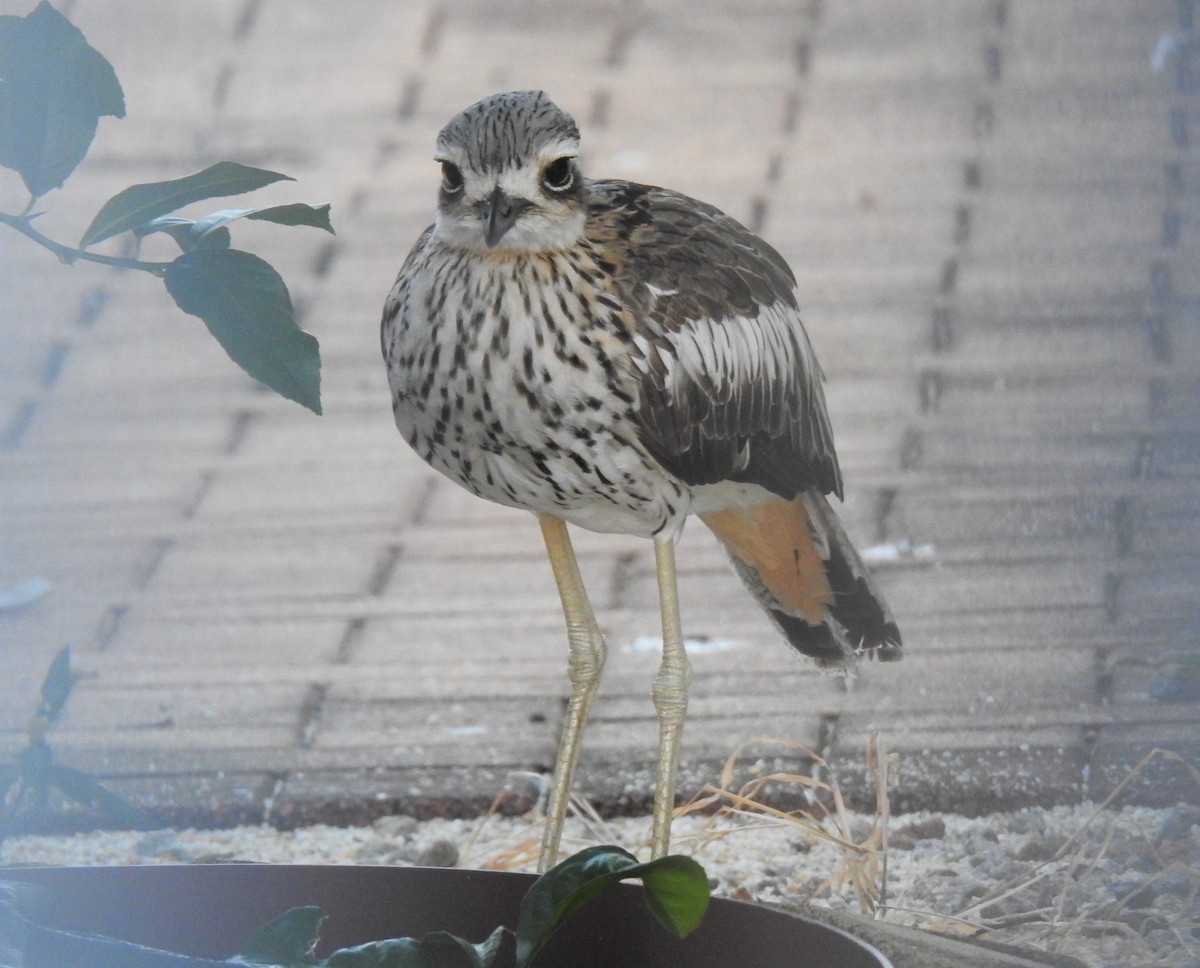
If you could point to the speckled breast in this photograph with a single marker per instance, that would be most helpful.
(508, 376)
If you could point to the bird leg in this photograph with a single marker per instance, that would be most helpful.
(670, 697)
(585, 663)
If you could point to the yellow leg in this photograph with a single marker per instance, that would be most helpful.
(585, 662)
(670, 697)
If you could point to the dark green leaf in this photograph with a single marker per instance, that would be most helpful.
(54, 88)
(218, 238)
(676, 891)
(246, 306)
(83, 789)
(171, 224)
(482, 955)
(438, 949)
(394, 953)
(563, 889)
(288, 940)
(37, 771)
(183, 231)
(295, 214)
(57, 685)
(139, 204)
(9, 775)
(489, 950)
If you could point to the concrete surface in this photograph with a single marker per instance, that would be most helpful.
(991, 206)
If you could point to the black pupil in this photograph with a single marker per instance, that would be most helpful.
(451, 176)
(558, 173)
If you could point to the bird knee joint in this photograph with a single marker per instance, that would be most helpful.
(670, 692)
(585, 661)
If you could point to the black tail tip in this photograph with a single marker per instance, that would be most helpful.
(888, 647)
(832, 645)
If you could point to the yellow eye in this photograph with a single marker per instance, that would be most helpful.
(559, 175)
(452, 179)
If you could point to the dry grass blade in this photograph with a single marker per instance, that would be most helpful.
(597, 827)
(744, 805)
(1073, 871)
(1053, 864)
(520, 856)
(878, 764)
(863, 870)
(520, 853)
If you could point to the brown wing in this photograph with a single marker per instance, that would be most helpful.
(730, 389)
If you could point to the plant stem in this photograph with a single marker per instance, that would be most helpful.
(69, 255)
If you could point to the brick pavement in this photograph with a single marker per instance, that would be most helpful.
(991, 207)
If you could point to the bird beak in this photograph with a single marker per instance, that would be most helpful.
(500, 212)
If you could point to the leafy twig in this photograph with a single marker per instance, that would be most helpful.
(26, 784)
(66, 254)
(55, 88)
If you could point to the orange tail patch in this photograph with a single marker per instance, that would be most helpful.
(775, 539)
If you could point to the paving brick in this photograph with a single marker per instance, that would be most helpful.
(1147, 762)
(977, 200)
(359, 795)
(1031, 340)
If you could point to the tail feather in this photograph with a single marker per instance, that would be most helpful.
(797, 561)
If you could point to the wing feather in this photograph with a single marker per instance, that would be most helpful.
(730, 388)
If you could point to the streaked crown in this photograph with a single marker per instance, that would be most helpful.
(510, 179)
(505, 130)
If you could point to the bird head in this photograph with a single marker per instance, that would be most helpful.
(510, 176)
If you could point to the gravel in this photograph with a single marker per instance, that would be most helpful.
(1113, 887)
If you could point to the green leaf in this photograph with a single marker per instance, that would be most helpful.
(296, 213)
(36, 766)
(83, 789)
(438, 949)
(182, 230)
(211, 231)
(482, 955)
(393, 953)
(139, 204)
(54, 88)
(288, 940)
(676, 892)
(246, 306)
(57, 685)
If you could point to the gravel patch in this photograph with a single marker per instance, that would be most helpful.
(1114, 887)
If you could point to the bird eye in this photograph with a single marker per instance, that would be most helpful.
(559, 175)
(452, 179)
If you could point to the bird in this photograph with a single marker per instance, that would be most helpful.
(620, 357)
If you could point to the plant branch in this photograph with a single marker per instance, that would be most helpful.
(68, 255)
